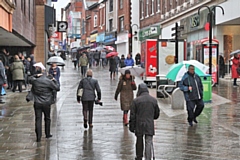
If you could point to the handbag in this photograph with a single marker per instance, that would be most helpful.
(238, 70)
(80, 92)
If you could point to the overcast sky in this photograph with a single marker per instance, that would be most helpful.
(58, 5)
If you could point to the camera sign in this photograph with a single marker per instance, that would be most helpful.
(62, 26)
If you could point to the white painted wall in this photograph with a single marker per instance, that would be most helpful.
(231, 8)
(136, 48)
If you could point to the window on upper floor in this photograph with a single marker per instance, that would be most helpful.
(158, 5)
(110, 5)
(142, 9)
(120, 4)
(110, 25)
(147, 7)
(95, 21)
(121, 24)
(152, 7)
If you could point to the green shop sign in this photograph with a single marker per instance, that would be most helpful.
(149, 33)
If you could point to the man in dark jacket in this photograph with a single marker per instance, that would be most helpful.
(192, 87)
(89, 85)
(42, 90)
(144, 110)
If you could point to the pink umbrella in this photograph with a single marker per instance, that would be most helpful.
(110, 48)
(111, 54)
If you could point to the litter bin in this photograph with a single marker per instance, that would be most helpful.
(207, 88)
(160, 80)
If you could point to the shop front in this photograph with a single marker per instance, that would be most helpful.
(122, 44)
(93, 39)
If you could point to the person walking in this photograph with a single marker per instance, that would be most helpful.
(125, 87)
(42, 91)
(17, 69)
(2, 77)
(103, 57)
(117, 59)
(55, 72)
(221, 66)
(89, 86)
(138, 59)
(83, 62)
(192, 87)
(235, 65)
(112, 67)
(129, 61)
(122, 63)
(144, 110)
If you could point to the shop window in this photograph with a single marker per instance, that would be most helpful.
(110, 5)
(95, 21)
(110, 25)
(121, 24)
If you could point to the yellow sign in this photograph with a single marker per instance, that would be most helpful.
(93, 37)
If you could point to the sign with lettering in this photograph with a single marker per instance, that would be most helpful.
(149, 33)
(194, 21)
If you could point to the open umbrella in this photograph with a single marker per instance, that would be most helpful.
(177, 71)
(235, 52)
(55, 59)
(135, 70)
(110, 48)
(111, 54)
(39, 64)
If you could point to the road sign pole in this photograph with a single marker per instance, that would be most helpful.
(176, 43)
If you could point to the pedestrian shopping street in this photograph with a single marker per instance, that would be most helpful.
(215, 137)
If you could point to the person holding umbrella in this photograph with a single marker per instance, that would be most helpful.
(112, 67)
(125, 87)
(235, 65)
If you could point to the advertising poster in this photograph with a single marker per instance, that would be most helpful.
(151, 58)
(214, 61)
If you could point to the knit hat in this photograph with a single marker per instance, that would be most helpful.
(127, 72)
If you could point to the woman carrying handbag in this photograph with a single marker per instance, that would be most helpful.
(125, 87)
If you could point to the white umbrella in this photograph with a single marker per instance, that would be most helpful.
(55, 59)
(235, 52)
(39, 64)
(135, 70)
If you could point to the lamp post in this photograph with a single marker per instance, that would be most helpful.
(210, 14)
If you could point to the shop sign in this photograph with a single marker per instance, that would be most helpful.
(194, 21)
(110, 37)
(149, 33)
(93, 37)
(100, 37)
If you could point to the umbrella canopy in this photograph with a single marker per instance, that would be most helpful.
(135, 70)
(55, 59)
(99, 48)
(39, 64)
(177, 71)
(110, 48)
(235, 52)
(111, 54)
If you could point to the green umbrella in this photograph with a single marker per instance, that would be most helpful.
(177, 71)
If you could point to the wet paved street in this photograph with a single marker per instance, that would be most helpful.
(215, 137)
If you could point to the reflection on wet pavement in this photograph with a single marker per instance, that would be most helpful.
(215, 137)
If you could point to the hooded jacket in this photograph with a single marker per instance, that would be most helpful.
(195, 82)
(144, 110)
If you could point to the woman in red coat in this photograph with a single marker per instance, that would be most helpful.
(235, 65)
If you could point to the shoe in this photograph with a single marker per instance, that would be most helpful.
(85, 125)
(90, 125)
(190, 124)
(1, 102)
(38, 140)
(194, 120)
(49, 136)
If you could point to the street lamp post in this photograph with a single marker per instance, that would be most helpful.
(210, 13)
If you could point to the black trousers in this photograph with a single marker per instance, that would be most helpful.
(194, 108)
(46, 109)
(17, 83)
(87, 111)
